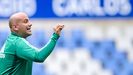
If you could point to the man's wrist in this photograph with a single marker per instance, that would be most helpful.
(56, 36)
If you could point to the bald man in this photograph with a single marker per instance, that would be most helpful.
(17, 54)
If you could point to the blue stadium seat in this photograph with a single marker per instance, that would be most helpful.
(38, 38)
(108, 44)
(111, 65)
(62, 42)
(104, 48)
(117, 64)
(78, 38)
(65, 42)
(128, 70)
(32, 40)
(3, 36)
(38, 69)
(107, 53)
(122, 56)
(99, 54)
(92, 45)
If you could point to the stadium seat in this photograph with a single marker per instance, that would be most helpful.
(81, 54)
(128, 32)
(117, 64)
(78, 38)
(38, 69)
(41, 38)
(99, 54)
(110, 65)
(108, 44)
(102, 49)
(128, 70)
(93, 45)
(32, 40)
(38, 38)
(94, 32)
(62, 42)
(3, 37)
(113, 32)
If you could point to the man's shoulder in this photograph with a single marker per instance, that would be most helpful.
(14, 38)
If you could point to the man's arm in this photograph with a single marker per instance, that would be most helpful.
(28, 52)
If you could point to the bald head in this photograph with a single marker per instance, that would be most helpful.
(20, 24)
(15, 18)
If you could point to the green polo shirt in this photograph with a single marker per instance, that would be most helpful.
(17, 55)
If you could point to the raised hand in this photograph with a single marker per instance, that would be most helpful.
(58, 28)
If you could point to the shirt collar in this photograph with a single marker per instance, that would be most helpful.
(14, 33)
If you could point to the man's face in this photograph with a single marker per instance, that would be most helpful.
(24, 26)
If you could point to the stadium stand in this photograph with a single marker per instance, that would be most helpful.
(85, 52)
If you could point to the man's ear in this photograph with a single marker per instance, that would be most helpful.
(15, 27)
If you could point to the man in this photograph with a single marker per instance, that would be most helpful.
(17, 54)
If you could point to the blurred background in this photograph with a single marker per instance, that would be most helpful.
(97, 38)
